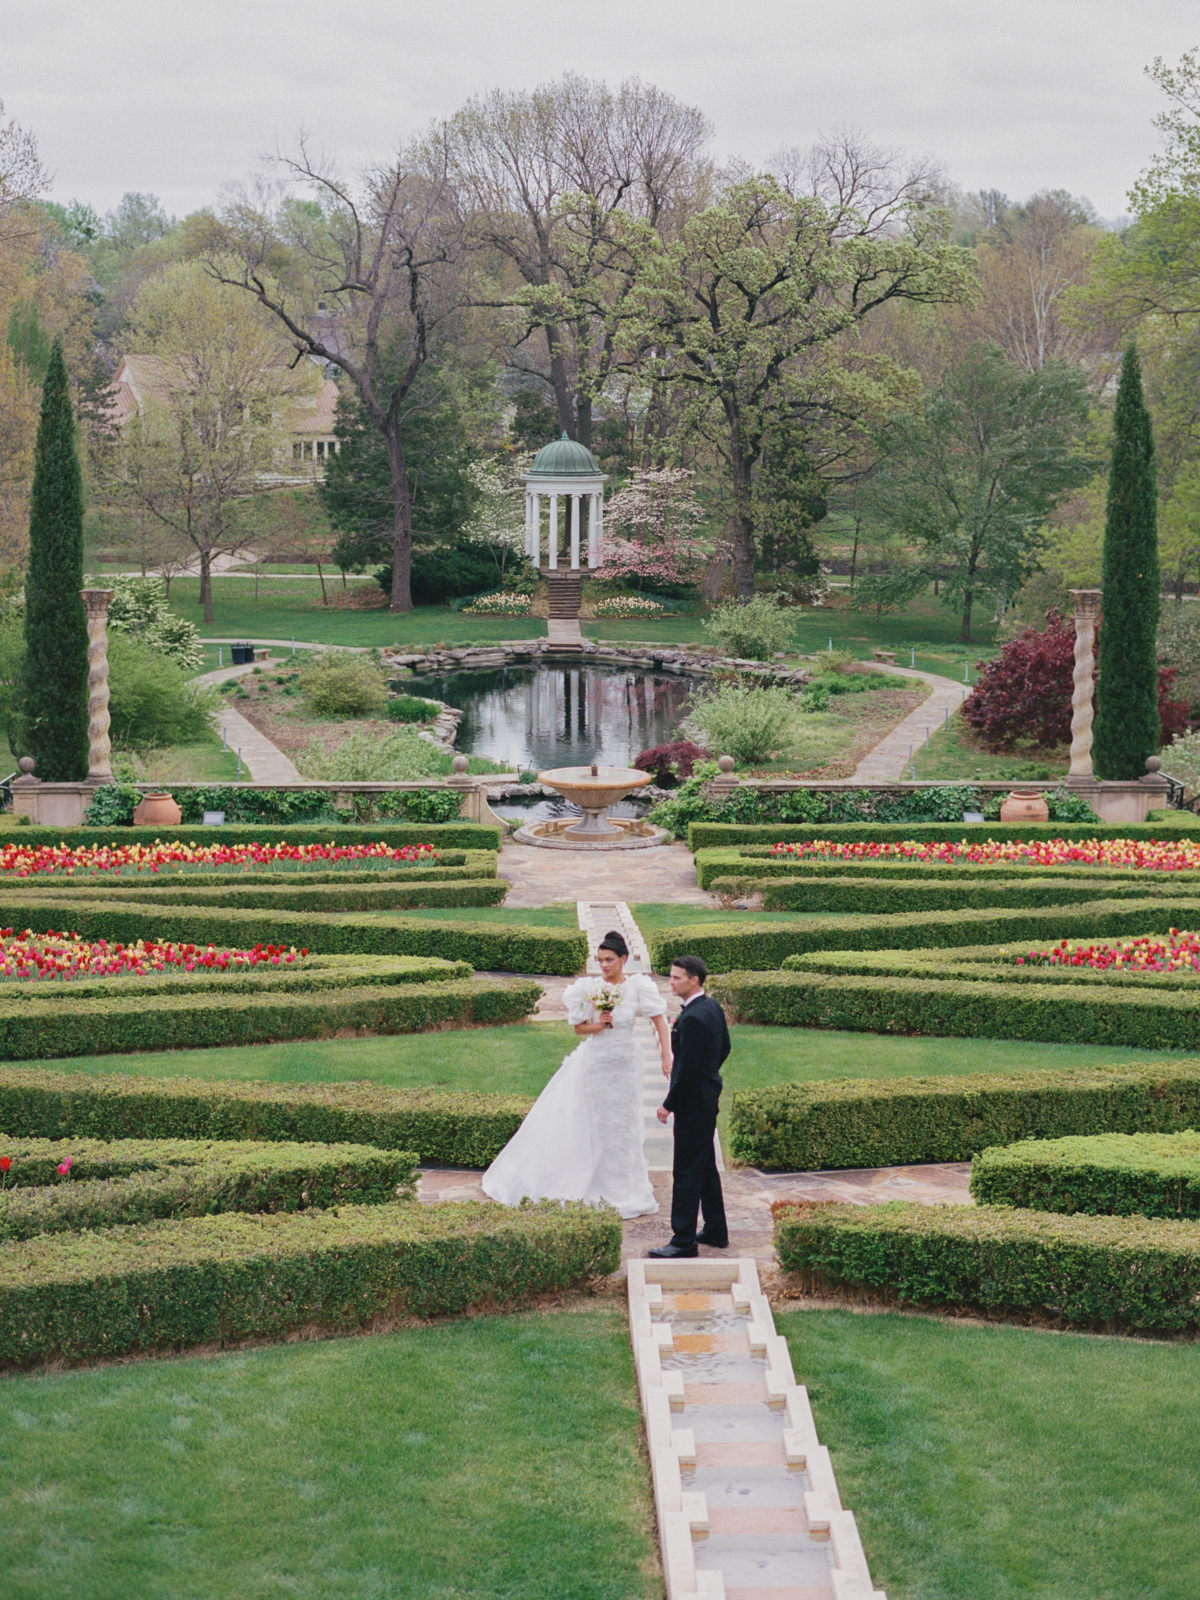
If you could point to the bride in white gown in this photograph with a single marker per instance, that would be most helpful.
(583, 1136)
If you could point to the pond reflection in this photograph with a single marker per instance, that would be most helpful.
(560, 715)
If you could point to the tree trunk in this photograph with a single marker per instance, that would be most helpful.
(965, 631)
(206, 584)
(321, 580)
(583, 419)
(743, 525)
(401, 597)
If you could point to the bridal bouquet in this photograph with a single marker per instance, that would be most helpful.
(603, 999)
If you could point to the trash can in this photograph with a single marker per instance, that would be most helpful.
(241, 654)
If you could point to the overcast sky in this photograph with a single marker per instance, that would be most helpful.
(178, 97)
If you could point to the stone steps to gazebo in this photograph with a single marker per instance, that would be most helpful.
(566, 594)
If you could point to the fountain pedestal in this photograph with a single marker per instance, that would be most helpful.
(593, 790)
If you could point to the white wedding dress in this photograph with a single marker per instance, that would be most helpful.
(583, 1137)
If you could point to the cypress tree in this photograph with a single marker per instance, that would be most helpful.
(54, 676)
(1127, 726)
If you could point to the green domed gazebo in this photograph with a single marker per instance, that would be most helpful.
(564, 471)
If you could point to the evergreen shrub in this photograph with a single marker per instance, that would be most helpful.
(1108, 1174)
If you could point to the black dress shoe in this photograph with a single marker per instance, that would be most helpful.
(672, 1252)
(713, 1244)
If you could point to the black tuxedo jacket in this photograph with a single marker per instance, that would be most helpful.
(699, 1044)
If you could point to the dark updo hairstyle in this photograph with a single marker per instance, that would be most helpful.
(613, 941)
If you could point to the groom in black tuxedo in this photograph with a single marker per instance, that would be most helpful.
(699, 1045)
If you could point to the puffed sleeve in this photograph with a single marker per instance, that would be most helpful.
(650, 1002)
(575, 998)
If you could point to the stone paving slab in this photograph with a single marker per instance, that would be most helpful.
(552, 877)
(891, 757)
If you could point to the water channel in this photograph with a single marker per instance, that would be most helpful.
(560, 714)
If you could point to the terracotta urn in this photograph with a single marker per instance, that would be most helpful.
(157, 811)
(1024, 805)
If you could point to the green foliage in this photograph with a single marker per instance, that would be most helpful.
(703, 835)
(774, 813)
(1127, 723)
(864, 1122)
(459, 1130)
(204, 1280)
(970, 477)
(1135, 1272)
(411, 708)
(498, 948)
(368, 757)
(1181, 759)
(67, 1023)
(742, 943)
(969, 1005)
(749, 724)
(336, 683)
(1178, 646)
(53, 693)
(939, 890)
(219, 797)
(754, 629)
(151, 701)
(1109, 1174)
(139, 607)
(137, 1180)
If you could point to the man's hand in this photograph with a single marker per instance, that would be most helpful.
(662, 1113)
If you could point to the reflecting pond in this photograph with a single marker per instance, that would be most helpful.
(559, 714)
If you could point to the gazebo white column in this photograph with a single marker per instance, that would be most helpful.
(575, 499)
(565, 471)
(552, 561)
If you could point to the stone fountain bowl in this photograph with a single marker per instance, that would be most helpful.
(589, 793)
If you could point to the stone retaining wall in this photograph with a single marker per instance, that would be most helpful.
(695, 663)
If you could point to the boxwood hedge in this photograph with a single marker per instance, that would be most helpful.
(1062, 1012)
(452, 1129)
(201, 1280)
(735, 941)
(131, 1181)
(486, 946)
(1109, 1174)
(442, 835)
(866, 1122)
(47, 1024)
(1132, 1272)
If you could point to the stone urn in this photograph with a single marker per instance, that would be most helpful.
(1024, 805)
(157, 811)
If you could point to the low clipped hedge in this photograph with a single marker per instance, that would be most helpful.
(1109, 1174)
(45, 1024)
(866, 1122)
(1138, 1273)
(203, 1280)
(707, 835)
(1062, 1012)
(442, 835)
(490, 947)
(891, 897)
(451, 1129)
(454, 886)
(138, 1180)
(734, 942)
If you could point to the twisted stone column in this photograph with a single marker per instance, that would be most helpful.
(1087, 606)
(99, 749)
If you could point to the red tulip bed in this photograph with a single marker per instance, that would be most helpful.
(24, 861)
(1138, 855)
(36, 957)
(1177, 952)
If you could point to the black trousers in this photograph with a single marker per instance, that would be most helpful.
(696, 1185)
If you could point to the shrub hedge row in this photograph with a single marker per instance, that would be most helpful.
(62, 1024)
(442, 835)
(862, 1122)
(985, 963)
(737, 943)
(890, 897)
(1110, 1174)
(138, 1180)
(454, 886)
(490, 947)
(1132, 1272)
(1054, 1013)
(171, 1284)
(705, 835)
(460, 1130)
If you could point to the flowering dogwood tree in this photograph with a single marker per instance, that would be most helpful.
(652, 523)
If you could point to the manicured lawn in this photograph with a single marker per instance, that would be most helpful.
(514, 1060)
(1000, 1462)
(485, 1459)
(953, 754)
(657, 916)
(290, 608)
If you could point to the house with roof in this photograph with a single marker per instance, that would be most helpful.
(305, 410)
